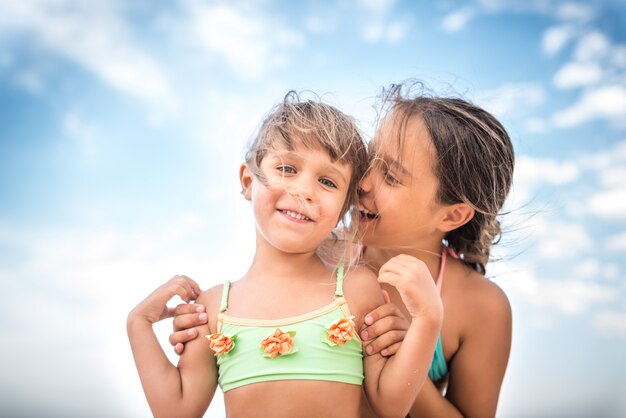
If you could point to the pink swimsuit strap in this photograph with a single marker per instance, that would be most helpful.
(442, 266)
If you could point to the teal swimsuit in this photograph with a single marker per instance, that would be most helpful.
(438, 367)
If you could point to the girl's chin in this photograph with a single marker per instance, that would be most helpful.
(368, 239)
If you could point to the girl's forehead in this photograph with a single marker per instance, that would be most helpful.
(402, 138)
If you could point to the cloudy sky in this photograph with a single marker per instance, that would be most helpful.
(122, 125)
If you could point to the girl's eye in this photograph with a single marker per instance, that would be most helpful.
(389, 178)
(286, 169)
(328, 183)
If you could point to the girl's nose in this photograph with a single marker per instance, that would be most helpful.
(303, 188)
(365, 185)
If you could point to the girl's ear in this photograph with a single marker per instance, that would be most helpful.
(455, 216)
(245, 178)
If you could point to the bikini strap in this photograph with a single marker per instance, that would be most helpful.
(442, 266)
(339, 288)
(225, 290)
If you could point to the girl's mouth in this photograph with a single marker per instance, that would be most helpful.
(367, 215)
(295, 215)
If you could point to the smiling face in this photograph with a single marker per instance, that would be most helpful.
(399, 205)
(297, 198)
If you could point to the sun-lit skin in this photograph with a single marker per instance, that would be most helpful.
(402, 214)
(298, 196)
(400, 193)
(298, 201)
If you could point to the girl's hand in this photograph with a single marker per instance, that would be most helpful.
(154, 308)
(415, 284)
(187, 316)
(385, 328)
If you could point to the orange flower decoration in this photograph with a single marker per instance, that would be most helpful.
(341, 331)
(281, 343)
(221, 343)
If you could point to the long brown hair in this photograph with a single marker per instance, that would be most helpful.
(474, 162)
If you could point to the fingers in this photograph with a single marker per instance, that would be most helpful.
(189, 308)
(185, 321)
(388, 309)
(183, 286)
(179, 348)
(383, 326)
(182, 337)
(387, 344)
(391, 350)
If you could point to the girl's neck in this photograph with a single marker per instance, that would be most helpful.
(273, 263)
(430, 254)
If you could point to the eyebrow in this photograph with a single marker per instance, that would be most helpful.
(395, 164)
(297, 156)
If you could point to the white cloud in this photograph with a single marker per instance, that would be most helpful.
(571, 297)
(397, 31)
(81, 131)
(533, 173)
(377, 23)
(555, 38)
(512, 98)
(458, 19)
(529, 170)
(251, 42)
(613, 175)
(83, 283)
(577, 12)
(609, 204)
(618, 56)
(587, 269)
(616, 243)
(376, 29)
(594, 269)
(605, 102)
(592, 46)
(319, 24)
(30, 80)
(607, 163)
(558, 240)
(94, 36)
(611, 271)
(578, 74)
(377, 6)
(536, 125)
(612, 324)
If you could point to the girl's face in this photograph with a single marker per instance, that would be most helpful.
(299, 200)
(399, 208)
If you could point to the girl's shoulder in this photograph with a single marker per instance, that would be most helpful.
(361, 278)
(212, 299)
(362, 291)
(476, 298)
(212, 295)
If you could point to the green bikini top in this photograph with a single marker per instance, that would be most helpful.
(319, 345)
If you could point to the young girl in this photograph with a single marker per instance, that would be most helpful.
(281, 341)
(441, 173)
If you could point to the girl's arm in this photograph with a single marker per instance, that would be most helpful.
(171, 391)
(477, 368)
(392, 384)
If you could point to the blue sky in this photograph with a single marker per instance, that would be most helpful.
(123, 125)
